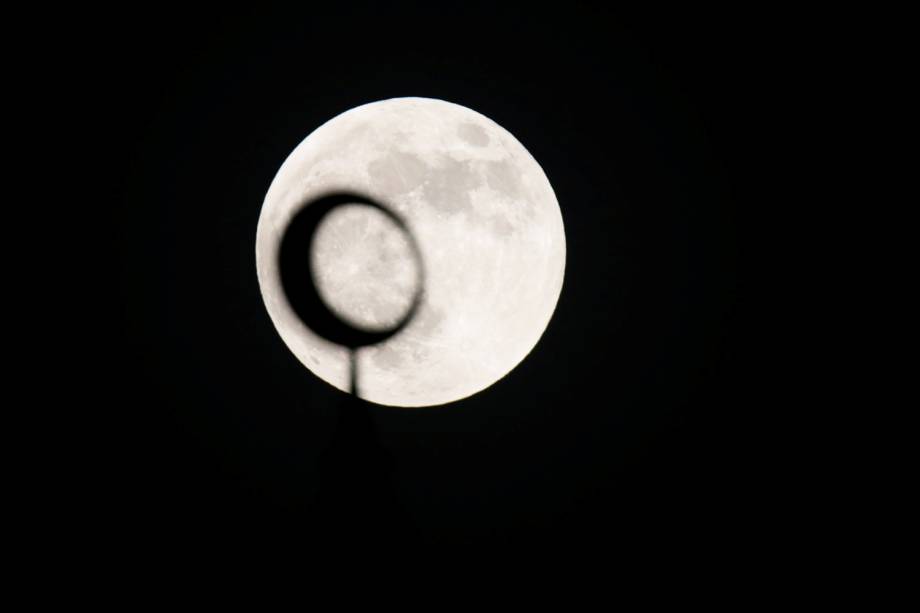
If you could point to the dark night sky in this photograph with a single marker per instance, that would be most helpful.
(635, 417)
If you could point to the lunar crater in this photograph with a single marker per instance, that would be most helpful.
(364, 267)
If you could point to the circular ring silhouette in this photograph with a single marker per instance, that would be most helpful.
(299, 283)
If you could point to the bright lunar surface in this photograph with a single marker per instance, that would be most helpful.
(485, 220)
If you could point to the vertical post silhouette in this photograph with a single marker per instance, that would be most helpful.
(355, 496)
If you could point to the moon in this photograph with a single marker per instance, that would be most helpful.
(488, 229)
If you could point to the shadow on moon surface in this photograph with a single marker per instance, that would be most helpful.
(300, 283)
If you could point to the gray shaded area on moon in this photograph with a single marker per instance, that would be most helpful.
(488, 226)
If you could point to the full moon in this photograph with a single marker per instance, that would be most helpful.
(487, 226)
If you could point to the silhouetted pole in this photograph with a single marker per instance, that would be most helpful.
(355, 498)
(353, 388)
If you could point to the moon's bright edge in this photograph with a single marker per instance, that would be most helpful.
(488, 227)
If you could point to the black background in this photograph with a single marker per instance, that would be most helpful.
(635, 419)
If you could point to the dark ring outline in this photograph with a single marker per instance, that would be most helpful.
(300, 289)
